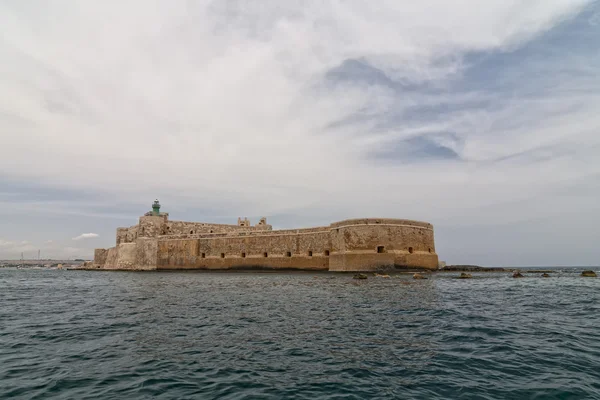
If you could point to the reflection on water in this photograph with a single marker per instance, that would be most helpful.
(81, 334)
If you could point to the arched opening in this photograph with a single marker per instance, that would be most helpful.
(310, 253)
(243, 255)
(222, 255)
(191, 232)
(265, 254)
(380, 249)
(327, 253)
(410, 250)
(211, 231)
(288, 253)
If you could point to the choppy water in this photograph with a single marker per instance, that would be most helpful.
(118, 335)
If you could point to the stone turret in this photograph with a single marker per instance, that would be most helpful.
(243, 222)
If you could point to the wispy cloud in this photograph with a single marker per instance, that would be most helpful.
(86, 236)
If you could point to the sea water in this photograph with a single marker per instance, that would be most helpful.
(178, 335)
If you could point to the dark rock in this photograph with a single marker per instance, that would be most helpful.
(589, 274)
(545, 275)
(464, 275)
(472, 268)
(359, 276)
(517, 274)
(418, 276)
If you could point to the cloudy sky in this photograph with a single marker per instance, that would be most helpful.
(482, 118)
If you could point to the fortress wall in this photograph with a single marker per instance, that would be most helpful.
(146, 253)
(151, 226)
(374, 244)
(121, 235)
(100, 256)
(127, 235)
(245, 233)
(111, 258)
(125, 256)
(195, 228)
(381, 221)
(283, 251)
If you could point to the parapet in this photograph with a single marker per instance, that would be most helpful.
(381, 221)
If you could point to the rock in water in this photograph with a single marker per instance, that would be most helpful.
(518, 275)
(464, 275)
(359, 276)
(589, 273)
(418, 276)
(545, 275)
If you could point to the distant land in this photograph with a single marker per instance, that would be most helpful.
(42, 263)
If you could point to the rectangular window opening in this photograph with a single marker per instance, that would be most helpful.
(203, 255)
(380, 249)
(222, 255)
(327, 253)
(310, 253)
(265, 254)
(288, 254)
(243, 255)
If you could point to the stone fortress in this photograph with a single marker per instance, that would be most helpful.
(368, 244)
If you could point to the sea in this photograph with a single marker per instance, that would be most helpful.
(272, 335)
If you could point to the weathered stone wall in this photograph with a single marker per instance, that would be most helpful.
(100, 256)
(198, 228)
(372, 244)
(288, 250)
(151, 226)
(147, 251)
(127, 235)
(128, 256)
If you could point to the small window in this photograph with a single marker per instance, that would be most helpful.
(265, 254)
(222, 255)
(430, 249)
(288, 253)
(191, 232)
(410, 250)
(203, 255)
(243, 255)
(211, 231)
(380, 249)
(310, 253)
(327, 253)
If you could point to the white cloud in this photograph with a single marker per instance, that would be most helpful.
(86, 236)
(227, 102)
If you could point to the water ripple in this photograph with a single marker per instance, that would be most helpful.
(84, 335)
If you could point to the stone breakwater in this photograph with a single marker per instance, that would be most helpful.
(368, 244)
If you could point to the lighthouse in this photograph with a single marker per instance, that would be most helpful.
(156, 208)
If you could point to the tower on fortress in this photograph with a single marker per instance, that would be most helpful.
(156, 208)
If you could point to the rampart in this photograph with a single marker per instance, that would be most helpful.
(369, 244)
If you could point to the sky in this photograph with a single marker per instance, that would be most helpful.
(481, 118)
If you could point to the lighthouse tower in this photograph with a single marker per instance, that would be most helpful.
(156, 208)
